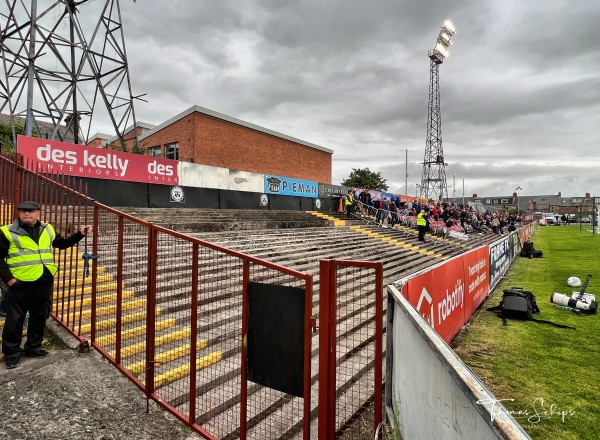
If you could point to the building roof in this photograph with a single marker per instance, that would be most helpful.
(102, 136)
(139, 124)
(214, 114)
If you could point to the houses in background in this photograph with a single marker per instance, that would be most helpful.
(580, 206)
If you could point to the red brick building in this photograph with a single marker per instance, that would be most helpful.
(203, 136)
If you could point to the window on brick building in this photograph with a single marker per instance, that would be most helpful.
(172, 151)
(154, 151)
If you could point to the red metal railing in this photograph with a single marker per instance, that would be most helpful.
(194, 366)
(170, 311)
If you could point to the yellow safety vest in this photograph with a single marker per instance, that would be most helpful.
(26, 258)
(348, 200)
(421, 220)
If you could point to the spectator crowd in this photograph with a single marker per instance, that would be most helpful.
(441, 217)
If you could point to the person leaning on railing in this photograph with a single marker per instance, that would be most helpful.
(365, 199)
(27, 267)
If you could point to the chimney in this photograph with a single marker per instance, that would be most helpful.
(474, 196)
(72, 122)
(69, 120)
(514, 195)
(587, 195)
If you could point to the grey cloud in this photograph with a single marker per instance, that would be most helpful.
(519, 91)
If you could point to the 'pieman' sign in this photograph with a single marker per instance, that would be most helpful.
(290, 187)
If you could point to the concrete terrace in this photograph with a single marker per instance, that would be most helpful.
(297, 240)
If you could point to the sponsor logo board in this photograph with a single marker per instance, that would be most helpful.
(439, 296)
(477, 287)
(49, 156)
(290, 187)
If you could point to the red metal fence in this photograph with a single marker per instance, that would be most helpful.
(175, 321)
(170, 312)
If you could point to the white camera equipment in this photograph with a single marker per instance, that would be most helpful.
(578, 302)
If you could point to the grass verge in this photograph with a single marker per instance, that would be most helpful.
(547, 377)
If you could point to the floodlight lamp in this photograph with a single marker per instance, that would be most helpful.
(445, 37)
(443, 42)
(441, 49)
(450, 27)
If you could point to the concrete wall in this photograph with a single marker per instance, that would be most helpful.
(430, 393)
(144, 195)
(202, 176)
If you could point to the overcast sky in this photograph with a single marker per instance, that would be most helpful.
(520, 91)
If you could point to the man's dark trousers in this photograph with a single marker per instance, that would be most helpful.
(23, 296)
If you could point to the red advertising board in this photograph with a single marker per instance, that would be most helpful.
(477, 279)
(524, 234)
(439, 296)
(50, 156)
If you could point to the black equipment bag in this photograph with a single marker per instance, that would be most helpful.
(529, 251)
(519, 304)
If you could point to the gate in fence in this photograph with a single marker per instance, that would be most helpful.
(351, 343)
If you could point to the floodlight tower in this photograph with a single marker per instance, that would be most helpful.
(433, 180)
(64, 63)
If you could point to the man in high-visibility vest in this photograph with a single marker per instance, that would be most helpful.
(422, 224)
(27, 267)
(348, 202)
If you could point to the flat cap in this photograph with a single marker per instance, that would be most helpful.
(29, 205)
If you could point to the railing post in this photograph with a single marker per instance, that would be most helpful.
(244, 360)
(94, 271)
(307, 354)
(325, 430)
(377, 419)
(17, 183)
(194, 332)
(151, 314)
(119, 313)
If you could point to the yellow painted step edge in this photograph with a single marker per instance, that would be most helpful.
(180, 372)
(140, 347)
(166, 356)
(133, 332)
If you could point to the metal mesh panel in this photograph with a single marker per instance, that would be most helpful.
(216, 394)
(219, 325)
(356, 357)
(173, 343)
(121, 291)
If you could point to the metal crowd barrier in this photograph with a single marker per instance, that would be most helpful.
(171, 313)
